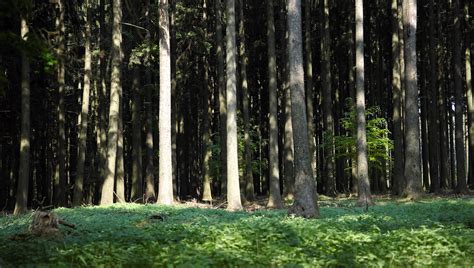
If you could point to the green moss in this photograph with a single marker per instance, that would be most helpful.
(427, 233)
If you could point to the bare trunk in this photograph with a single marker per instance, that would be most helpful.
(137, 181)
(309, 83)
(233, 187)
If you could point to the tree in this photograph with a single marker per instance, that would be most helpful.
(461, 186)
(114, 110)
(412, 126)
(364, 198)
(305, 203)
(137, 181)
(82, 143)
(233, 187)
(24, 169)
(165, 193)
(274, 200)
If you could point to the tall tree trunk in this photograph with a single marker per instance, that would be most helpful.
(114, 110)
(137, 181)
(330, 181)
(274, 200)
(461, 186)
(82, 143)
(248, 174)
(165, 193)
(398, 176)
(433, 117)
(412, 173)
(305, 195)
(61, 155)
(233, 189)
(469, 94)
(120, 167)
(206, 128)
(222, 97)
(24, 171)
(364, 198)
(309, 83)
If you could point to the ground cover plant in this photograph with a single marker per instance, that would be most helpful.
(431, 232)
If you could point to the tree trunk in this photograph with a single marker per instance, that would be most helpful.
(120, 168)
(82, 143)
(398, 176)
(165, 193)
(137, 182)
(330, 181)
(469, 93)
(364, 198)
(248, 173)
(274, 200)
(222, 97)
(309, 83)
(461, 186)
(412, 173)
(114, 110)
(305, 195)
(24, 171)
(233, 189)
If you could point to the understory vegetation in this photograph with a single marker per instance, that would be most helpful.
(431, 232)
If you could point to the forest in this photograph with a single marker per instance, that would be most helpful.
(218, 133)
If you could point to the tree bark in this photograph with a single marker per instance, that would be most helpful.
(412, 172)
(233, 187)
(305, 195)
(165, 193)
(469, 93)
(137, 181)
(364, 198)
(82, 143)
(274, 200)
(24, 170)
(114, 110)
(461, 186)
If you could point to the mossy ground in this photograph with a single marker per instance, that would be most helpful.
(431, 232)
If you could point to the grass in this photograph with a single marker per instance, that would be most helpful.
(435, 232)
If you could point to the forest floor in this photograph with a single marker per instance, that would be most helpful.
(431, 232)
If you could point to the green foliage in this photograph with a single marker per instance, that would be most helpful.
(378, 142)
(428, 233)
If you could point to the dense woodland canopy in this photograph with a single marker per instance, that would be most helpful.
(106, 101)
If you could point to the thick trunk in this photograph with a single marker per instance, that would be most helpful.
(274, 200)
(233, 187)
(82, 143)
(412, 173)
(165, 193)
(305, 195)
(24, 171)
(115, 89)
(364, 198)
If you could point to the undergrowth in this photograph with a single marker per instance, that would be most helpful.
(427, 233)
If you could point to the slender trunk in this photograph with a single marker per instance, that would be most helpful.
(274, 200)
(233, 189)
(330, 181)
(165, 194)
(461, 186)
(24, 171)
(82, 143)
(206, 128)
(398, 176)
(248, 175)
(137, 183)
(114, 110)
(364, 198)
(309, 83)
(222, 100)
(469, 94)
(120, 168)
(305, 195)
(412, 173)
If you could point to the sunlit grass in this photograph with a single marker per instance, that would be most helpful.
(392, 233)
